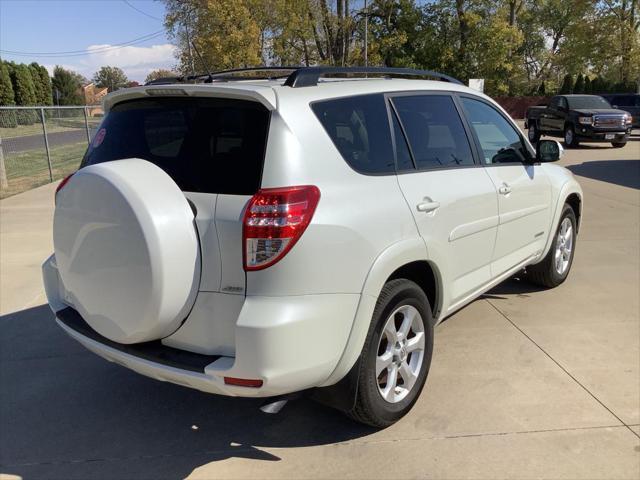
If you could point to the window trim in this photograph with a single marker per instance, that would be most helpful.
(525, 143)
(441, 93)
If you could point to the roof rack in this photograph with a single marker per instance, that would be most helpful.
(298, 76)
(309, 76)
(226, 75)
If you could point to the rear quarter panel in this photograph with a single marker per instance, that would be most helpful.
(358, 216)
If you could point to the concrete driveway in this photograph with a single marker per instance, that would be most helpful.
(525, 383)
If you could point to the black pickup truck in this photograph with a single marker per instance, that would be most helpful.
(579, 118)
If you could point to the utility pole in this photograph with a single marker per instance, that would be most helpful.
(366, 34)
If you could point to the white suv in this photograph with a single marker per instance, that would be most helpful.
(258, 237)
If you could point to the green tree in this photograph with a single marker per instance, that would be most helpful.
(567, 85)
(45, 81)
(579, 85)
(542, 90)
(6, 88)
(24, 93)
(112, 78)
(587, 85)
(7, 117)
(160, 73)
(66, 87)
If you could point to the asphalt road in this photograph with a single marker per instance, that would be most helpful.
(525, 383)
(33, 142)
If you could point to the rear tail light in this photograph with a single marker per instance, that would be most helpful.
(64, 181)
(274, 221)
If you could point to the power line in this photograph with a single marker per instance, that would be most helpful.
(73, 53)
(140, 11)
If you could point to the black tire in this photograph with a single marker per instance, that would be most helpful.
(533, 132)
(370, 407)
(618, 144)
(570, 142)
(545, 273)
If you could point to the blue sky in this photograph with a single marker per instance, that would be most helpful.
(91, 27)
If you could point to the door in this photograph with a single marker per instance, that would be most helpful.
(552, 119)
(524, 190)
(451, 196)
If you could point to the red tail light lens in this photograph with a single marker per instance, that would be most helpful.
(274, 221)
(64, 181)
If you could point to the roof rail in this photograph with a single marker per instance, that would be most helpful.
(225, 75)
(298, 76)
(309, 76)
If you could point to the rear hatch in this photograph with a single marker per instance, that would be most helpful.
(155, 212)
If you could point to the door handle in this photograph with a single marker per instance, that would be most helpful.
(504, 189)
(428, 206)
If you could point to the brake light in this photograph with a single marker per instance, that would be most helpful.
(64, 181)
(274, 221)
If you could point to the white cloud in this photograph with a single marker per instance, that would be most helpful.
(136, 62)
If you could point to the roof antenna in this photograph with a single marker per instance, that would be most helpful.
(204, 64)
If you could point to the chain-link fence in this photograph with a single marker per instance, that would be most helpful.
(39, 145)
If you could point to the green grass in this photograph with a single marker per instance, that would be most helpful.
(53, 125)
(29, 169)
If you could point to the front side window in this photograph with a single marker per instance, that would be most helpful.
(434, 130)
(499, 140)
(359, 128)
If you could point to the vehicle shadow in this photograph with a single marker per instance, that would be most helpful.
(66, 413)
(516, 285)
(620, 172)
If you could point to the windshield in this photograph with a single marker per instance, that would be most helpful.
(587, 101)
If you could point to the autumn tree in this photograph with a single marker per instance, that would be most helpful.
(160, 73)
(112, 78)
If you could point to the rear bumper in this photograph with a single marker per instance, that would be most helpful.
(290, 343)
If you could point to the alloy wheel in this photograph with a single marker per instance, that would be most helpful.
(400, 353)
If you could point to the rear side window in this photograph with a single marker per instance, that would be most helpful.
(359, 128)
(434, 131)
(204, 144)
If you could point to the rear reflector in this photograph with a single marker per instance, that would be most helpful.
(242, 382)
(274, 221)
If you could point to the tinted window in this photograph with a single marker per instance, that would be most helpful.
(434, 131)
(555, 102)
(359, 128)
(499, 140)
(205, 145)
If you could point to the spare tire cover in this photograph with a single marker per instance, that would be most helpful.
(127, 249)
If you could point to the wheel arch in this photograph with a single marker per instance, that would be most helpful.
(570, 194)
(405, 259)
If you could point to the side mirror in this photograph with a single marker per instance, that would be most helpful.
(548, 151)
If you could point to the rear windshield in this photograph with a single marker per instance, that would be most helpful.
(206, 145)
